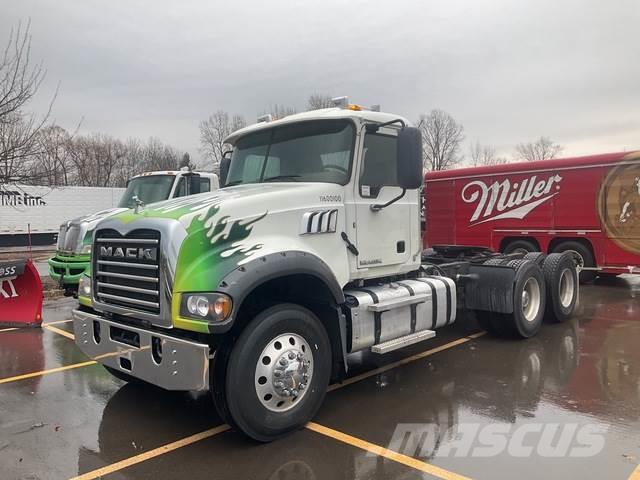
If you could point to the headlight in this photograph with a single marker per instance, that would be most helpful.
(214, 307)
(84, 287)
(86, 249)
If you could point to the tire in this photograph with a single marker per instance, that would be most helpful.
(561, 280)
(277, 338)
(125, 377)
(584, 258)
(535, 257)
(496, 261)
(516, 264)
(520, 246)
(528, 310)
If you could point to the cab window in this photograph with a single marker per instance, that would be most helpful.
(181, 189)
(380, 164)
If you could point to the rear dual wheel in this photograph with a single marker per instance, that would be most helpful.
(561, 278)
(529, 296)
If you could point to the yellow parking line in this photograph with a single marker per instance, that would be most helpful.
(222, 428)
(8, 329)
(58, 322)
(47, 372)
(62, 369)
(127, 462)
(404, 361)
(385, 452)
(59, 331)
(635, 475)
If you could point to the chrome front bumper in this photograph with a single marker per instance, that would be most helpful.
(182, 365)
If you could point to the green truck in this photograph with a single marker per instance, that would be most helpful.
(73, 250)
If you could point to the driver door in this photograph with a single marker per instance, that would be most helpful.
(383, 236)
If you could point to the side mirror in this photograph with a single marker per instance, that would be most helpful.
(410, 158)
(194, 183)
(224, 168)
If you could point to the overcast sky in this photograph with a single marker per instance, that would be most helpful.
(509, 71)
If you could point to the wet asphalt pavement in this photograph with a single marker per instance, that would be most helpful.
(580, 380)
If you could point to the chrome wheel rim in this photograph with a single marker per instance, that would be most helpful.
(567, 288)
(531, 299)
(283, 372)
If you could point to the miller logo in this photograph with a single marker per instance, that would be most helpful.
(131, 252)
(502, 199)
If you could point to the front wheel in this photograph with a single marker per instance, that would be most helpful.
(278, 372)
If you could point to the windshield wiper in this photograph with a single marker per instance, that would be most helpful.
(279, 177)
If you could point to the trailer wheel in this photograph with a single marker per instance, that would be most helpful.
(278, 372)
(529, 297)
(562, 286)
(583, 258)
(520, 246)
(535, 257)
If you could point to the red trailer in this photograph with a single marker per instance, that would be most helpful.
(587, 205)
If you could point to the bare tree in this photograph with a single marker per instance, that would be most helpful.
(480, 155)
(186, 162)
(52, 165)
(280, 111)
(541, 149)
(131, 164)
(214, 130)
(317, 101)
(158, 156)
(96, 159)
(19, 83)
(441, 139)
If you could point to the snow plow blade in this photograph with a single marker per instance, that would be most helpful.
(20, 294)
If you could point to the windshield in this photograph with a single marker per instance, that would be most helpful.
(315, 151)
(149, 189)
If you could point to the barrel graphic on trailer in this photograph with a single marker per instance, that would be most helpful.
(20, 294)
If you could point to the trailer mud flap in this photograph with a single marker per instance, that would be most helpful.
(489, 288)
(20, 294)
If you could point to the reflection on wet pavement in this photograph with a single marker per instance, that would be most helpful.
(584, 372)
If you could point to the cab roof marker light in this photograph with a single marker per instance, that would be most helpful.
(265, 118)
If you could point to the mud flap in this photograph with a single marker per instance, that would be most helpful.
(20, 294)
(489, 288)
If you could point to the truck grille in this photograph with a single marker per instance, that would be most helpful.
(127, 269)
(71, 238)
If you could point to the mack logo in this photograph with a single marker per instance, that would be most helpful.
(502, 199)
(131, 252)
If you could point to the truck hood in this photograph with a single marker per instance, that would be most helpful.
(93, 218)
(209, 235)
(241, 202)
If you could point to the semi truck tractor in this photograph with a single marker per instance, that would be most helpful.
(75, 237)
(311, 251)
